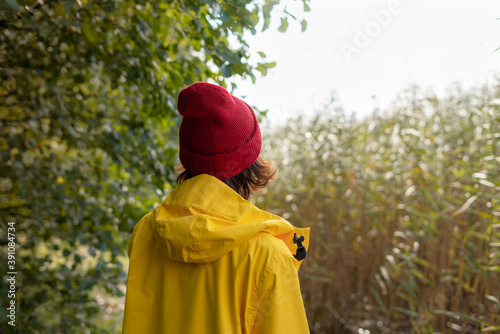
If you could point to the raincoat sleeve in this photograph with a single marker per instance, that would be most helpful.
(137, 227)
(281, 308)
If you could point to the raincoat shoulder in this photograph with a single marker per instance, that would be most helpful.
(208, 261)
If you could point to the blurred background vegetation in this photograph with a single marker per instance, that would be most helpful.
(404, 212)
(404, 208)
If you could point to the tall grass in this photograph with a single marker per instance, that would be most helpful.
(404, 209)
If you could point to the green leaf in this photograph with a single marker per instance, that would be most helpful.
(378, 299)
(225, 71)
(262, 54)
(263, 67)
(491, 329)
(271, 64)
(89, 33)
(458, 315)
(306, 7)
(46, 31)
(230, 57)
(303, 25)
(8, 15)
(87, 283)
(78, 79)
(284, 25)
(223, 16)
(266, 12)
(493, 299)
(13, 4)
(68, 6)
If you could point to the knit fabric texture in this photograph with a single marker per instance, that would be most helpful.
(219, 134)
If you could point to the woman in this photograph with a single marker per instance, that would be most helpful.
(207, 260)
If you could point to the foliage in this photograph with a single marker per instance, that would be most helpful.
(404, 210)
(87, 137)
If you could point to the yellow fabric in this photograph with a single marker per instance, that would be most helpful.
(207, 261)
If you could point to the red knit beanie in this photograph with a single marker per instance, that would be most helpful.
(219, 134)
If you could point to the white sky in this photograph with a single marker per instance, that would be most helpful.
(431, 43)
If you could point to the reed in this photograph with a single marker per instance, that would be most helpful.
(404, 208)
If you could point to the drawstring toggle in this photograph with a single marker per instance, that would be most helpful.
(301, 250)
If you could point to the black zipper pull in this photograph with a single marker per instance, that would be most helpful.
(301, 250)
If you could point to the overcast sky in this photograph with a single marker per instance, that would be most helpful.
(367, 48)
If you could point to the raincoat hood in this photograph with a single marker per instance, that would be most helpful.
(203, 219)
(208, 261)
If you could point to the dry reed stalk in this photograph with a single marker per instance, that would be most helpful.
(404, 211)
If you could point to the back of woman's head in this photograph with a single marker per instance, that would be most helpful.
(253, 178)
(219, 135)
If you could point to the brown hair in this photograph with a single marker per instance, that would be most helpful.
(254, 177)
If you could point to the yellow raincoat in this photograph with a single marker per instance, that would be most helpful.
(208, 261)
